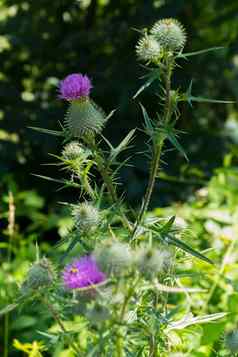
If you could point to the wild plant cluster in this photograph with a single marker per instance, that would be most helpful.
(114, 298)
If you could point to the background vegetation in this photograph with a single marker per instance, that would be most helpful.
(40, 43)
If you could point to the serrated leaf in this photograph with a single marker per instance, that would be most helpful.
(155, 74)
(47, 131)
(196, 53)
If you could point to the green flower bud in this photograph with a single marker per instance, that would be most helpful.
(170, 34)
(152, 261)
(40, 275)
(84, 117)
(113, 257)
(86, 217)
(75, 151)
(231, 341)
(148, 49)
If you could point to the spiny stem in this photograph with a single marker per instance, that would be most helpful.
(150, 187)
(157, 149)
(54, 313)
(101, 163)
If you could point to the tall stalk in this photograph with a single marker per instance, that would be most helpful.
(107, 178)
(157, 146)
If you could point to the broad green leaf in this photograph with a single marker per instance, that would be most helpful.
(47, 131)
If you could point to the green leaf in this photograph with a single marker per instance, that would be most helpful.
(207, 100)
(171, 136)
(168, 238)
(195, 53)
(8, 309)
(47, 131)
(149, 127)
(64, 182)
(168, 225)
(188, 97)
(179, 244)
(123, 145)
(190, 320)
(152, 76)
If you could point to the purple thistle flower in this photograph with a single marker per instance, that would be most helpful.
(75, 86)
(81, 273)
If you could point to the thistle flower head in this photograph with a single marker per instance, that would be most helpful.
(40, 275)
(84, 117)
(148, 49)
(75, 86)
(113, 256)
(74, 151)
(81, 273)
(86, 216)
(231, 341)
(152, 261)
(170, 34)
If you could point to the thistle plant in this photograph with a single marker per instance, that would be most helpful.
(118, 270)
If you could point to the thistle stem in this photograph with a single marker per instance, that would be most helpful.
(158, 146)
(55, 314)
(101, 164)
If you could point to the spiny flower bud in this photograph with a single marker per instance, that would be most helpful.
(74, 151)
(152, 261)
(148, 49)
(113, 256)
(86, 216)
(231, 341)
(40, 275)
(170, 34)
(84, 117)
